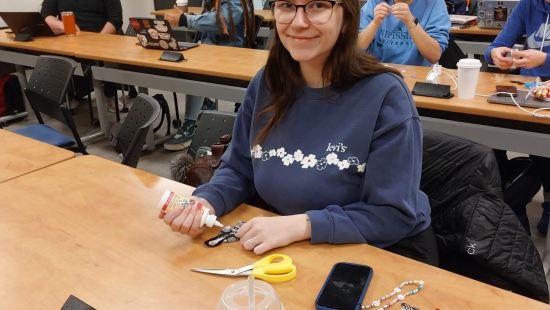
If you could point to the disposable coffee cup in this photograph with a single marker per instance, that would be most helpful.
(468, 72)
(183, 5)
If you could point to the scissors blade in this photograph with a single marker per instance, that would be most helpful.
(221, 272)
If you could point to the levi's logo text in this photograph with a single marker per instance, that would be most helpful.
(340, 147)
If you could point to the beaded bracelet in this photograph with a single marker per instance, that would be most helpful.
(376, 303)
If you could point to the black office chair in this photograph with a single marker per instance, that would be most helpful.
(132, 134)
(46, 93)
(212, 125)
(258, 20)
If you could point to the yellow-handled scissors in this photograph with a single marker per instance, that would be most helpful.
(264, 269)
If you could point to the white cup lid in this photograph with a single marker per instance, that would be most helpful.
(469, 63)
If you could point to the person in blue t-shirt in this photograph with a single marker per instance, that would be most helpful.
(222, 22)
(409, 32)
(329, 138)
(530, 18)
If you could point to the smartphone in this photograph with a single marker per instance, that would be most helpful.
(345, 287)
(507, 89)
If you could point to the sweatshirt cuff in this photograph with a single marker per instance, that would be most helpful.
(213, 198)
(322, 230)
(183, 20)
(546, 63)
(488, 58)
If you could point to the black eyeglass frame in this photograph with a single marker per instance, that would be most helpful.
(303, 6)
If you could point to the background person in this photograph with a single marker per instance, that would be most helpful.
(103, 16)
(409, 32)
(225, 22)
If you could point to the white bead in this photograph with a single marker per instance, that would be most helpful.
(397, 290)
(400, 297)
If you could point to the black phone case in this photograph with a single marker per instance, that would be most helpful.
(432, 90)
(171, 56)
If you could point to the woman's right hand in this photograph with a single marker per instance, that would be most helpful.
(186, 220)
(498, 54)
(381, 11)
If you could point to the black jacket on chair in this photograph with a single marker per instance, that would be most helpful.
(477, 234)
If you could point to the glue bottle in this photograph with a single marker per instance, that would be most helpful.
(183, 5)
(171, 200)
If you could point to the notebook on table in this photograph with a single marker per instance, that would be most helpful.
(530, 102)
(157, 34)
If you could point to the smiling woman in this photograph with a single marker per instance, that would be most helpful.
(329, 138)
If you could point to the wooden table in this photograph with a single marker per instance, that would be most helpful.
(478, 105)
(20, 155)
(211, 71)
(475, 30)
(211, 60)
(266, 14)
(223, 73)
(88, 227)
(519, 140)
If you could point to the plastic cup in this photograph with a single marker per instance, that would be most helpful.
(236, 297)
(468, 72)
(69, 23)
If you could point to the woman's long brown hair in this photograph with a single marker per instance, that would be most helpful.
(248, 18)
(345, 66)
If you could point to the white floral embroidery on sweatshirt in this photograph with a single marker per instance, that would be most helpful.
(309, 161)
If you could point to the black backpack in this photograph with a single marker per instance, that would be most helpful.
(11, 98)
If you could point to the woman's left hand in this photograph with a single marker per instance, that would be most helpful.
(262, 234)
(401, 10)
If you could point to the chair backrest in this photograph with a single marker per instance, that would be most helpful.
(48, 86)
(258, 20)
(132, 134)
(212, 125)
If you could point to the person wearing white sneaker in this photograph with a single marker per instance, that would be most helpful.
(110, 103)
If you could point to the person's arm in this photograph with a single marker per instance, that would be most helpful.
(387, 208)
(49, 12)
(207, 23)
(114, 16)
(54, 23)
(371, 19)
(432, 39)
(108, 28)
(233, 181)
(510, 34)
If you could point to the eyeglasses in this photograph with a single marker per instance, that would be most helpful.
(317, 12)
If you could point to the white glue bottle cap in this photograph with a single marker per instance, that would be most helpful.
(209, 219)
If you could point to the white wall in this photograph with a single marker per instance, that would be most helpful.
(135, 8)
(130, 8)
(19, 6)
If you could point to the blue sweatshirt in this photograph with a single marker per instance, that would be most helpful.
(352, 161)
(210, 27)
(530, 18)
(392, 43)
